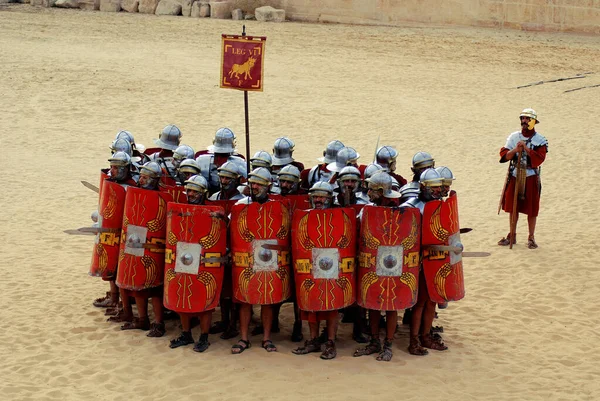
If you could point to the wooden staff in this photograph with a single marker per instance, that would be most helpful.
(504, 189)
(513, 216)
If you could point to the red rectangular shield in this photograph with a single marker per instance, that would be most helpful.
(242, 62)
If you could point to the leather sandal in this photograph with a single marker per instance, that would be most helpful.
(531, 244)
(429, 342)
(241, 346)
(506, 240)
(309, 346)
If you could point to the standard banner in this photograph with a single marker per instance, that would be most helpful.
(242, 62)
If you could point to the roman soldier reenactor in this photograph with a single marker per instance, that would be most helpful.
(386, 158)
(320, 172)
(526, 151)
(324, 252)
(260, 235)
(195, 260)
(221, 151)
(388, 262)
(141, 266)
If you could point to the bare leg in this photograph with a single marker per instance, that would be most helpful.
(332, 327)
(266, 316)
(374, 323)
(157, 306)
(245, 316)
(391, 320)
(185, 322)
(205, 318)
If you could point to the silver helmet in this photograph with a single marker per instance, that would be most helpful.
(122, 162)
(410, 190)
(283, 148)
(352, 174)
(289, 179)
(261, 159)
(229, 169)
(383, 181)
(289, 173)
(129, 136)
(196, 187)
(345, 156)
(121, 145)
(422, 160)
(321, 189)
(531, 113)
(395, 184)
(431, 184)
(262, 177)
(372, 169)
(331, 151)
(224, 141)
(447, 176)
(189, 166)
(182, 153)
(386, 157)
(150, 174)
(169, 138)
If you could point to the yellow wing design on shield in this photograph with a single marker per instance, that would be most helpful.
(151, 270)
(111, 206)
(243, 226)
(369, 239)
(440, 279)
(409, 280)
(367, 281)
(284, 230)
(211, 286)
(344, 241)
(411, 240)
(303, 237)
(169, 275)
(439, 232)
(210, 239)
(159, 222)
(346, 286)
(306, 286)
(172, 238)
(284, 275)
(244, 280)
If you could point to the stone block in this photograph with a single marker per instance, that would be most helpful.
(237, 14)
(147, 6)
(186, 8)
(66, 4)
(91, 5)
(204, 10)
(110, 6)
(131, 6)
(220, 9)
(268, 13)
(195, 11)
(168, 7)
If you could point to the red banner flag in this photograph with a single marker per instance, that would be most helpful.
(242, 62)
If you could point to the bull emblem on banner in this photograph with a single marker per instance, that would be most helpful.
(245, 68)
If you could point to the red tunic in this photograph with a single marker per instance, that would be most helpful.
(530, 205)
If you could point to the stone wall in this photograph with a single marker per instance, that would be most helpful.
(542, 15)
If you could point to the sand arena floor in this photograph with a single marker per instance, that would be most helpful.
(71, 79)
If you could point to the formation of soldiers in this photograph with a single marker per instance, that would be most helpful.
(193, 231)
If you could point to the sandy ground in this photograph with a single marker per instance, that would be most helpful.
(70, 80)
